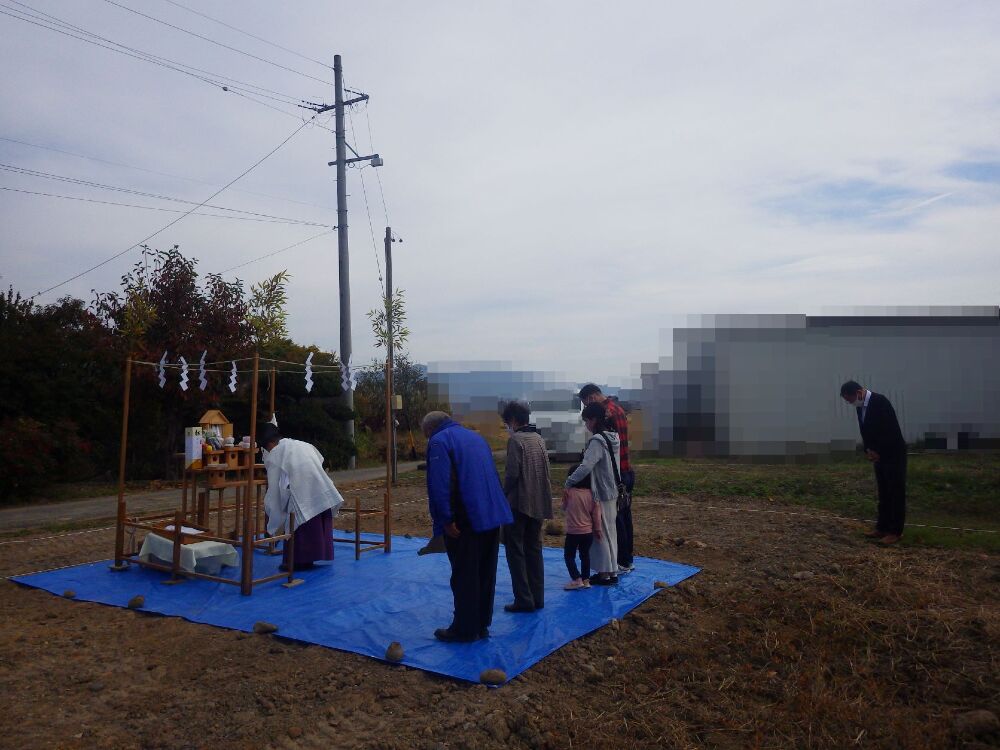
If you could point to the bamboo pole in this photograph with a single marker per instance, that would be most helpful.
(175, 565)
(290, 545)
(357, 525)
(159, 530)
(246, 577)
(274, 387)
(120, 521)
(387, 498)
(187, 574)
(274, 390)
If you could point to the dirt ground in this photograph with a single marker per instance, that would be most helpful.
(796, 634)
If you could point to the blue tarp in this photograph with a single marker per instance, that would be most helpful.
(362, 606)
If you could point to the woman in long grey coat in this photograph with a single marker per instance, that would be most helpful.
(597, 463)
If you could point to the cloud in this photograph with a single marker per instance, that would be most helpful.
(567, 177)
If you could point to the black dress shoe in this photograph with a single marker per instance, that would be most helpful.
(450, 636)
(484, 633)
(517, 608)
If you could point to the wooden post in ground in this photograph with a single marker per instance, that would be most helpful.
(387, 498)
(120, 525)
(246, 570)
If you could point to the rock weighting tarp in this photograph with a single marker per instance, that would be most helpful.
(362, 606)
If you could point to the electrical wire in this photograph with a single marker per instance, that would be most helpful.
(223, 83)
(41, 19)
(276, 252)
(371, 227)
(88, 183)
(157, 208)
(179, 218)
(378, 176)
(215, 42)
(160, 174)
(247, 33)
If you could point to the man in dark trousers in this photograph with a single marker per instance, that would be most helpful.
(529, 491)
(886, 449)
(468, 506)
(591, 394)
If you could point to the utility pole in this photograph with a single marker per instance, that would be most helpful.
(343, 256)
(390, 427)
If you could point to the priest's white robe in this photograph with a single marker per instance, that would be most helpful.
(297, 483)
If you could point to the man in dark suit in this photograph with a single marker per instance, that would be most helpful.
(886, 449)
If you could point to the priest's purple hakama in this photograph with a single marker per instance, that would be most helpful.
(313, 541)
(297, 485)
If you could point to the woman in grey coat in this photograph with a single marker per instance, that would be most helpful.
(597, 463)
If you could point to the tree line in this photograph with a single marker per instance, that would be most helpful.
(63, 367)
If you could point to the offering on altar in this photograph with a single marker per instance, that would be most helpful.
(214, 422)
(193, 442)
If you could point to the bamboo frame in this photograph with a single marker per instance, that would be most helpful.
(120, 525)
(247, 517)
(387, 500)
(246, 506)
(246, 558)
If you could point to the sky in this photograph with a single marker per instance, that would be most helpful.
(567, 177)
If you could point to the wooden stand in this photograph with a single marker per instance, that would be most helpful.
(234, 470)
(386, 512)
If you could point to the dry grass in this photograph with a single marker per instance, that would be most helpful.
(878, 648)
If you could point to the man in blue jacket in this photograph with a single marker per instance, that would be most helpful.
(468, 506)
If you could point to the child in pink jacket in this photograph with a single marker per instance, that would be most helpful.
(583, 524)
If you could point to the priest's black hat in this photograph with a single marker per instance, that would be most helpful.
(267, 434)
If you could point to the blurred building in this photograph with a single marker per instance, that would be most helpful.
(478, 391)
(768, 385)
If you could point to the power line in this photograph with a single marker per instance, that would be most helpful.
(88, 183)
(215, 42)
(179, 218)
(161, 174)
(159, 208)
(371, 147)
(224, 83)
(247, 33)
(371, 227)
(276, 252)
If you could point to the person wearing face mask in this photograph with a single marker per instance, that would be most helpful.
(886, 449)
(591, 394)
(528, 488)
(599, 459)
(297, 483)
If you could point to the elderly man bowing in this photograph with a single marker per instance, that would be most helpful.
(467, 505)
(529, 491)
(297, 483)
